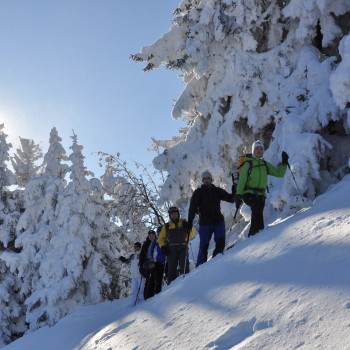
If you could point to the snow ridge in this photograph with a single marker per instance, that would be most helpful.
(285, 288)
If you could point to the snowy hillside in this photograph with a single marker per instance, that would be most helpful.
(286, 288)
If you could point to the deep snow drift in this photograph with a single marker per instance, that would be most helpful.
(286, 288)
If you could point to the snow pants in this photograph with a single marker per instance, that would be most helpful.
(154, 281)
(205, 234)
(177, 256)
(256, 203)
(137, 286)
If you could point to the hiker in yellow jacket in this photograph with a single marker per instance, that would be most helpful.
(173, 241)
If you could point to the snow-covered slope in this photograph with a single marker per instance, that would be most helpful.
(286, 288)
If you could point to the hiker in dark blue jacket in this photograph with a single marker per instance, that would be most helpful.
(152, 265)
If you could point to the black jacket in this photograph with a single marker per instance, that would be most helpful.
(143, 253)
(206, 202)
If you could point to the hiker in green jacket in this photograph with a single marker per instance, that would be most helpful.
(253, 182)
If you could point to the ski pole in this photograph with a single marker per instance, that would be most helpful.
(187, 255)
(164, 280)
(193, 255)
(186, 259)
(138, 291)
(296, 184)
(237, 208)
(234, 189)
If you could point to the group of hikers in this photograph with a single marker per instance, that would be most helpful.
(167, 254)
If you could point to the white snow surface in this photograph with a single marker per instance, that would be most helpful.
(286, 288)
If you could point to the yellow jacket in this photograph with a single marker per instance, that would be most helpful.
(163, 239)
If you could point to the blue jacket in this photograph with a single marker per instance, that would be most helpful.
(155, 253)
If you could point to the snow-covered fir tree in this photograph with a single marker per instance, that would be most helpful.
(8, 208)
(24, 161)
(75, 253)
(36, 225)
(255, 69)
(56, 154)
(6, 176)
(12, 322)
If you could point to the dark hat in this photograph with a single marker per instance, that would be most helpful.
(137, 244)
(173, 210)
(151, 232)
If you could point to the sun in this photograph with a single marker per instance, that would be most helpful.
(10, 126)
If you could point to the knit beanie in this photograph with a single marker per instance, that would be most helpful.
(206, 174)
(256, 144)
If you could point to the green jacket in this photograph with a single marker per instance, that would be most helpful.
(256, 182)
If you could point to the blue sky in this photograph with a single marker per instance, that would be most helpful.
(66, 63)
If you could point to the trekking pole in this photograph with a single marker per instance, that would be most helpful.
(187, 255)
(234, 185)
(193, 255)
(296, 184)
(186, 258)
(138, 292)
(237, 208)
(166, 260)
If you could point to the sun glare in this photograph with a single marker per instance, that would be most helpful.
(10, 127)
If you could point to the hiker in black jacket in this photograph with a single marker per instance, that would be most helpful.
(206, 202)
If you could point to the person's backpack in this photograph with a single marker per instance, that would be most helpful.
(242, 161)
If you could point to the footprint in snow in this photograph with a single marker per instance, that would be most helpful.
(237, 334)
(113, 332)
(255, 293)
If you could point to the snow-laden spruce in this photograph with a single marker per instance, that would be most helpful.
(24, 161)
(12, 321)
(65, 250)
(35, 227)
(73, 252)
(9, 209)
(6, 176)
(272, 70)
(62, 251)
(54, 157)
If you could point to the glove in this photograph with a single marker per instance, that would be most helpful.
(142, 272)
(285, 158)
(122, 259)
(165, 250)
(234, 188)
(238, 201)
